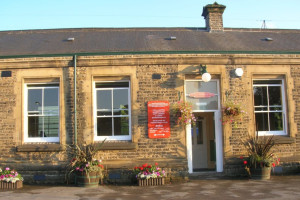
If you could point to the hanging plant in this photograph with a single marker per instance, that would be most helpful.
(184, 113)
(232, 113)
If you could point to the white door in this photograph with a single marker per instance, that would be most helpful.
(199, 145)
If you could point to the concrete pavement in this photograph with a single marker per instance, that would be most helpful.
(279, 187)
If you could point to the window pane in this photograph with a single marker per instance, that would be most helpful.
(120, 99)
(104, 126)
(267, 82)
(274, 96)
(265, 108)
(261, 121)
(112, 84)
(208, 92)
(204, 104)
(276, 108)
(121, 126)
(104, 99)
(51, 126)
(35, 127)
(51, 101)
(200, 86)
(104, 113)
(35, 100)
(260, 96)
(276, 121)
(199, 132)
(120, 112)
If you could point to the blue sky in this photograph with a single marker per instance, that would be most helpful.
(49, 14)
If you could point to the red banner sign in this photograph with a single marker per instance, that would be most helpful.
(158, 119)
(201, 95)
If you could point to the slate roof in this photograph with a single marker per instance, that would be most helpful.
(139, 40)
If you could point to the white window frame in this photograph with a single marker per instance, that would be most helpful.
(119, 137)
(283, 101)
(26, 114)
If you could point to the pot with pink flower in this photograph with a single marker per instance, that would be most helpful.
(149, 175)
(84, 165)
(10, 179)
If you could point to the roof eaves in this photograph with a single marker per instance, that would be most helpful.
(147, 52)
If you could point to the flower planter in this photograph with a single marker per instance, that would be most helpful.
(260, 173)
(83, 180)
(9, 185)
(151, 181)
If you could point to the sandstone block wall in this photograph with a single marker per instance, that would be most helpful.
(44, 167)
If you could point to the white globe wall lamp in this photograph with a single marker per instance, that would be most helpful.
(239, 72)
(205, 75)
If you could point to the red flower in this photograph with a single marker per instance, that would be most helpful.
(99, 165)
(245, 162)
(149, 166)
(141, 168)
(273, 164)
(145, 165)
(156, 164)
(135, 167)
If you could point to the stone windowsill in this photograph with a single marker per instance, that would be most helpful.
(284, 140)
(58, 147)
(40, 148)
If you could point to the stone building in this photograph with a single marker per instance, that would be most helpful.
(58, 86)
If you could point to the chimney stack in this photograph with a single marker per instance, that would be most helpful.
(213, 15)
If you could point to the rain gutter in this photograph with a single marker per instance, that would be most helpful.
(148, 52)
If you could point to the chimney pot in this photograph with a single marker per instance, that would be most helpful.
(213, 15)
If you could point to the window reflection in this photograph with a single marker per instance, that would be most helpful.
(42, 111)
(207, 94)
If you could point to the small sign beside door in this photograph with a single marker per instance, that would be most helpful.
(158, 119)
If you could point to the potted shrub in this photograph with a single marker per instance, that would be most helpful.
(150, 175)
(84, 165)
(10, 179)
(260, 157)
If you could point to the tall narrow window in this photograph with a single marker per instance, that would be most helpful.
(112, 117)
(42, 113)
(269, 107)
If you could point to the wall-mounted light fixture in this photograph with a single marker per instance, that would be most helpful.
(239, 72)
(205, 75)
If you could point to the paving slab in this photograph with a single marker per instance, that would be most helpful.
(278, 187)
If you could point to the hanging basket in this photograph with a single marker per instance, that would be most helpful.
(151, 181)
(9, 185)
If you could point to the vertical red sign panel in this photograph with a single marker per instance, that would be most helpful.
(158, 119)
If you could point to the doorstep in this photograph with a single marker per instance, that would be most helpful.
(208, 175)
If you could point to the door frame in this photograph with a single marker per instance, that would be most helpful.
(218, 135)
